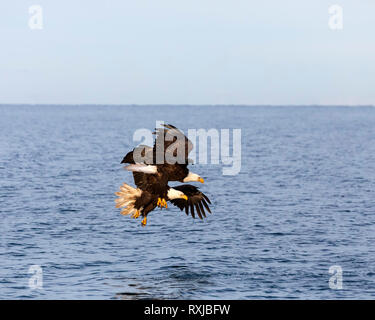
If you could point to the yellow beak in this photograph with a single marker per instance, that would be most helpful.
(201, 180)
(184, 197)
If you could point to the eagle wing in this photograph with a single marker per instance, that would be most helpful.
(171, 135)
(197, 201)
(142, 180)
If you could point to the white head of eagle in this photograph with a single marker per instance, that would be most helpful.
(175, 194)
(193, 177)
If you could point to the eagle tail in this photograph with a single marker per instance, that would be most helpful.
(126, 199)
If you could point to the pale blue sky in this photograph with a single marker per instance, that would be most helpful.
(187, 52)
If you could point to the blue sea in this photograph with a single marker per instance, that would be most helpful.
(303, 201)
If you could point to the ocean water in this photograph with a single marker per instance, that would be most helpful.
(303, 201)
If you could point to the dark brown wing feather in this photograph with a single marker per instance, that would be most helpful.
(128, 158)
(197, 201)
(167, 136)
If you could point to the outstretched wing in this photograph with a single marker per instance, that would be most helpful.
(197, 201)
(167, 136)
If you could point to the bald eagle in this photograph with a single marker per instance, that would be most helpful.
(151, 179)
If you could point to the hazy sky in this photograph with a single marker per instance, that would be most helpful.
(187, 52)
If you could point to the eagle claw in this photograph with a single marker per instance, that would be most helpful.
(136, 214)
(162, 203)
(144, 222)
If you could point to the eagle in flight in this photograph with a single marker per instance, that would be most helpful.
(153, 167)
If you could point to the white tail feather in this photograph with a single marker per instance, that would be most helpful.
(126, 198)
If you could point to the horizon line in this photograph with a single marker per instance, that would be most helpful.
(186, 105)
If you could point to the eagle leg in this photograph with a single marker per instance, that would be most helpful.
(136, 214)
(144, 221)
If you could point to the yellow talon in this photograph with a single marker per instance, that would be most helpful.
(136, 214)
(162, 203)
(165, 203)
(144, 221)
